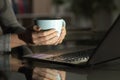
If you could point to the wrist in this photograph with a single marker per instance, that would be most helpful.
(15, 41)
(26, 37)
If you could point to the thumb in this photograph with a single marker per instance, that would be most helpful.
(36, 28)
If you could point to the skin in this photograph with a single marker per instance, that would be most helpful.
(39, 37)
(38, 72)
(47, 74)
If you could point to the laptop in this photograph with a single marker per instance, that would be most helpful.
(107, 50)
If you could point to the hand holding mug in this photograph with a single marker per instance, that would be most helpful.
(49, 31)
(58, 24)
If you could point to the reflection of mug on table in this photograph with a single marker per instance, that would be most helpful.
(50, 23)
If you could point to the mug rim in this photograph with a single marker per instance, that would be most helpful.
(47, 18)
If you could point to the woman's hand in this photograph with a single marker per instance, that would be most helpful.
(62, 36)
(56, 40)
(47, 74)
(39, 37)
(48, 37)
(42, 37)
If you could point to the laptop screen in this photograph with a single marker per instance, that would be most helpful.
(109, 47)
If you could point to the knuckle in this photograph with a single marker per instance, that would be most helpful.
(55, 34)
(34, 41)
(44, 39)
(33, 35)
(46, 70)
(64, 34)
(44, 33)
(45, 42)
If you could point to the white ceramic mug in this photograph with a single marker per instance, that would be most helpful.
(50, 23)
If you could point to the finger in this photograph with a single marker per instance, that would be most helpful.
(62, 75)
(46, 70)
(37, 77)
(62, 36)
(51, 71)
(35, 35)
(46, 40)
(60, 40)
(34, 76)
(51, 41)
(47, 73)
(48, 37)
(42, 78)
(50, 76)
(46, 32)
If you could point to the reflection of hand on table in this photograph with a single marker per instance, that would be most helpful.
(40, 38)
(15, 64)
(48, 74)
(38, 73)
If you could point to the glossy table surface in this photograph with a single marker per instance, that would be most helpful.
(104, 71)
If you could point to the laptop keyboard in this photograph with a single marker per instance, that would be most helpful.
(74, 58)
